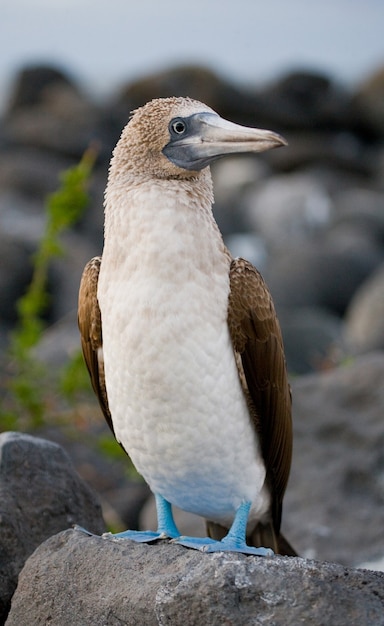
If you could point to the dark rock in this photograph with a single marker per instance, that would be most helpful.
(194, 81)
(15, 275)
(233, 179)
(288, 208)
(21, 217)
(82, 580)
(65, 274)
(59, 342)
(41, 494)
(55, 116)
(32, 172)
(339, 149)
(33, 82)
(16, 267)
(364, 320)
(333, 509)
(369, 104)
(312, 339)
(360, 210)
(91, 223)
(319, 273)
(307, 99)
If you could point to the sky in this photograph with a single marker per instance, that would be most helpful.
(104, 43)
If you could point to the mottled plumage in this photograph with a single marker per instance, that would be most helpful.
(192, 338)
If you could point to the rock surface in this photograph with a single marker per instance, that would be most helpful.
(333, 508)
(40, 495)
(364, 327)
(89, 581)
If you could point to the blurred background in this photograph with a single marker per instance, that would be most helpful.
(109, 42)
(310, 216)
(105, 43)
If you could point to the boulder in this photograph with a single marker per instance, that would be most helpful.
(15, 274)
(312, 339)
(41, 494)
(47, 111)
(32, 83)
(333, 508)
(369, 103)
(197, 82)
(288, 208)
(31, 172)
(364, 322)
(307, 99)
(81, 580)
(320, 273)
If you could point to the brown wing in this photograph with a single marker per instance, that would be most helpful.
(256, 337)
(89, 320)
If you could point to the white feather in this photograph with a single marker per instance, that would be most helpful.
(173, 388)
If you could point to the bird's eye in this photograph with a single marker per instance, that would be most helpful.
(178, 126)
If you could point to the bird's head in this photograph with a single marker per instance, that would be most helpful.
(178, 137)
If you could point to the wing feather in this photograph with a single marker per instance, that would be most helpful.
(89, 320)
(257, 340)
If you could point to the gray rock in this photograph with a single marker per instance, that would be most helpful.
(32, 82)
(307, 99)
(92, 581)
(32, 172)
(54, 115)
(312, 339)
(196, 81)
(343, 151)
(364, 320)
(15, 275)
(21, 218)
(369, 103)
(41, 494)
(359, 212)
(59, 342)
(319, 273)
(288, 208)
(333, 508)
(65, 273)
(248, 246)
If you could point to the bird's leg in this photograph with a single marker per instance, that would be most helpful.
(234, 541)
(166, 527)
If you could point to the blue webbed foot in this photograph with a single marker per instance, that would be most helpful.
(167, 528)
(140, 536)
(227, 544)
(234, 541)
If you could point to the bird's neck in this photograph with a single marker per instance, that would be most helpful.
(164, 221)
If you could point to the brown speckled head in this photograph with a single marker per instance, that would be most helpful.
(147, 133)
(178, 137)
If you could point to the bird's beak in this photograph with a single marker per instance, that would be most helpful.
(208, 137)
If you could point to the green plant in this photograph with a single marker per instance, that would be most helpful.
(26, 387)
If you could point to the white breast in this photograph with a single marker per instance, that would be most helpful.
(173, 388)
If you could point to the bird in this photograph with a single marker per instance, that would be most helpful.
(181, 340)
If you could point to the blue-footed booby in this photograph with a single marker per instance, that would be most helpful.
(181, 340)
